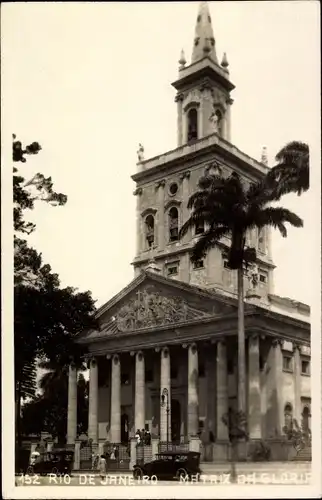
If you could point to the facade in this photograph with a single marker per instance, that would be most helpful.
(165, 356)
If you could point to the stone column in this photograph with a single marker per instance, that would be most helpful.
(211, 391)
(77, 454)
(139, 391)
(115, 431)
(50, 444)
(275, 411)
(139, 232)
(222, 390)
(254, 389)
(93, 402)
(179, 100)
(297, 384)
(165, 383)
(132, 452)
(72, 405)
(160, 217)
(227, 125)
(193, 401)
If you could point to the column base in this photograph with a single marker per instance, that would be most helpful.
(133, 443)
(194, 444)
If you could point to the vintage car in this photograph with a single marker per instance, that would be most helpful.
(170, 465)
(59, 461)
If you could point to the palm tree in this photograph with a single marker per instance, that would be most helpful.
(229, 208)
(291, 174)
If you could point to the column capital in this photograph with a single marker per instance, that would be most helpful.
(165, 351)
(116, 358)
(179, 97)
(219, 340)
(72, 365)
(160, 184)
(254, 338)
(185, 175)
(139, 355)
(137, 191)
(277, 342)
(296, 347)
(92, 361)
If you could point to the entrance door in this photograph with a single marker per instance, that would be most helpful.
(305, 419)
(124, 428)
(175, 420)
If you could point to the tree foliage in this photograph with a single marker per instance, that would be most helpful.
(291, 174)
(48, 411)
(46, 316)
(229, 208)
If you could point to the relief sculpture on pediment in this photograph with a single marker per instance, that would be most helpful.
(153, 309)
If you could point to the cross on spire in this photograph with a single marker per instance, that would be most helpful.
(204, 41)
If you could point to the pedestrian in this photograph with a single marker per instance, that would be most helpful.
(138, 437)
(143, 437)
(148, 438)
(102, 466)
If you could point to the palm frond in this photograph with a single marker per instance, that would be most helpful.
(208, 240)
(277, 217)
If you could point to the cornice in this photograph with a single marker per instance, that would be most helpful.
(201, 147)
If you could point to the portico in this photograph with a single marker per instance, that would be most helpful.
(162, 334)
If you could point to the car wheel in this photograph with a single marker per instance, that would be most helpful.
(30, 470)
(137, 473)
(54, 470)
(182, 474)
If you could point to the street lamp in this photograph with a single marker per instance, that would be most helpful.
(165, 401)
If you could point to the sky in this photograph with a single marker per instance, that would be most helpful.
(90, 81)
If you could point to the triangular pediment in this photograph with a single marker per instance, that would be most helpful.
(152, 301)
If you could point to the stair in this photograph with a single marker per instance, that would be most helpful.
(304, 455)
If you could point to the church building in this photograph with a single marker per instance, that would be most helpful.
(165, 356)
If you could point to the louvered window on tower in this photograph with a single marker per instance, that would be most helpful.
(173, 224)
(200, 227)
(192, 125)
(149, 230)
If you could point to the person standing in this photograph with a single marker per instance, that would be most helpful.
(102, 466)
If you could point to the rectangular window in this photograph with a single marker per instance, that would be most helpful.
(287, 364)
(262, 278)
(172, 270)
(305, 367)
(198, 264)
(226, 265)
(199, 229)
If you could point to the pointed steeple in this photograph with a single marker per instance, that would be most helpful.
(204, 41)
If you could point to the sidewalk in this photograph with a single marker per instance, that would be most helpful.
(211, 468)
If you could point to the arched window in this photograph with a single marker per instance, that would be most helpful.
(149, 230)
(288, 416)
(173, 224)
(192, 125)
(219, 122)
(306, 419)
(200, 227)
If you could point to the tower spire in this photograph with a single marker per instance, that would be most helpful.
(204, 41)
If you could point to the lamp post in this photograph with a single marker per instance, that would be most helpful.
(165, 401)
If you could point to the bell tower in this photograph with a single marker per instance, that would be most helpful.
(203, 87)
(165, 183)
